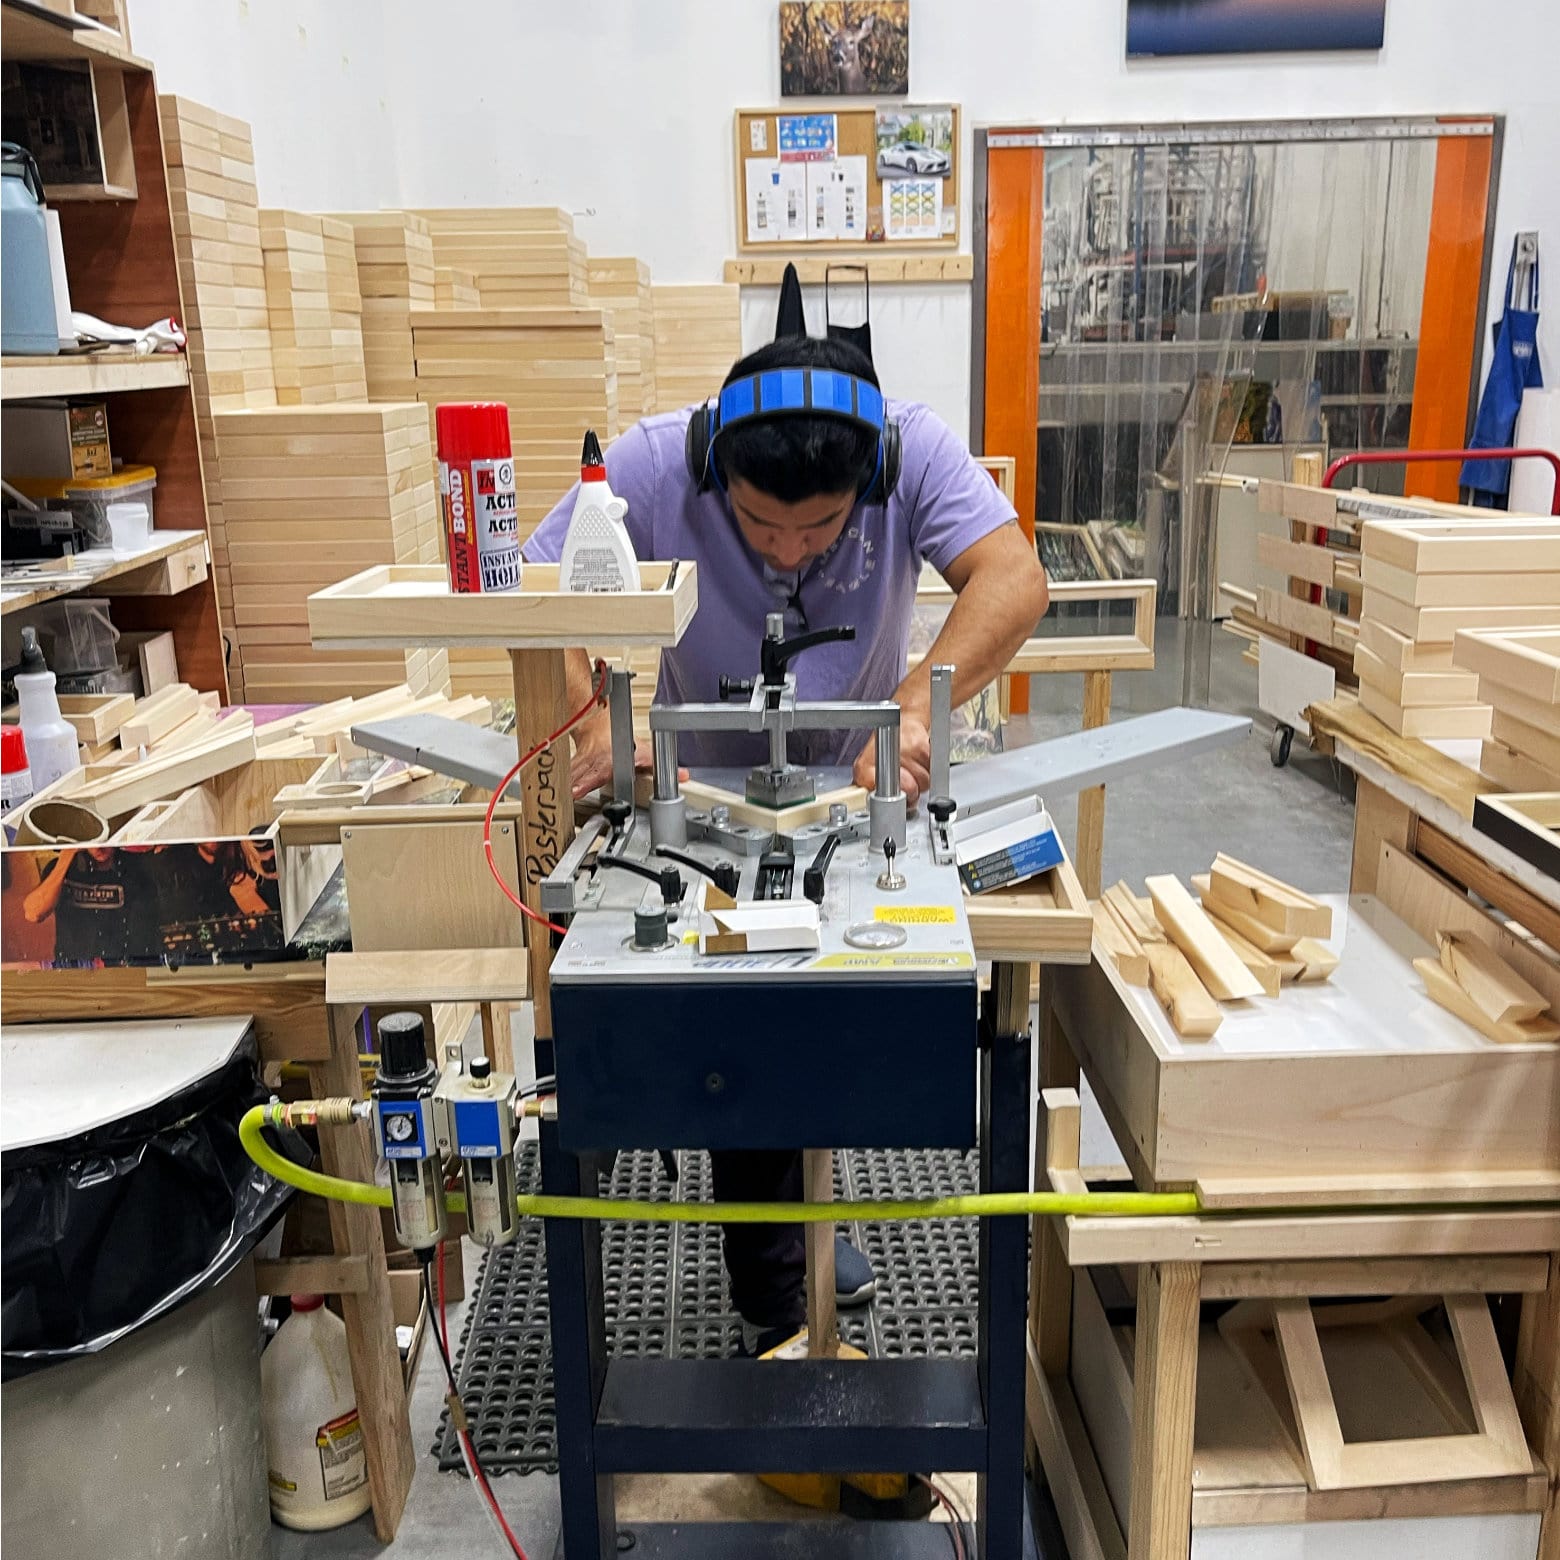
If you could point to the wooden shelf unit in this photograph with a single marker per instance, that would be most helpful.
(121, 263)
(177, 565)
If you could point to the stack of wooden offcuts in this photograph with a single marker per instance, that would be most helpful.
(698, 336)
(395, 275)
(1249, 935)
(521, 256)
(621, 286)
(314, 494)
(315, 308)
(1426, 580)
(1518, 672)
(555, 370)
(454, 288)
(216, 225)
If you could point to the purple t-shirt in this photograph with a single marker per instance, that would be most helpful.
(943, 504)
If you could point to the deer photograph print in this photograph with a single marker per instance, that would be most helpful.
(844, 48)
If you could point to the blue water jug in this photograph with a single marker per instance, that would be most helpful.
(27, 323)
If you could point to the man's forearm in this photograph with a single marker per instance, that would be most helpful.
(579, 677)
(991, 617)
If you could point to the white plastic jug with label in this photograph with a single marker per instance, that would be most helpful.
(313, 1440)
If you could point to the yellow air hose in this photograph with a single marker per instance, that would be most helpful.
(981, 1204)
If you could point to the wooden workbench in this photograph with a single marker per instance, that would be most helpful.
(1350, 1093)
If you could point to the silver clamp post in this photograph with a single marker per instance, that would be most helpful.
(620, 713)
(668, 810)
(939, 802)
(886, 805)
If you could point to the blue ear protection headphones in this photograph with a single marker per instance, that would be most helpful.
(787, 392)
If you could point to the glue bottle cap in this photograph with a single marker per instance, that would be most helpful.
(593, 468)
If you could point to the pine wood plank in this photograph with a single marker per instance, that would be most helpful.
(1491, 984)
(1198, 938)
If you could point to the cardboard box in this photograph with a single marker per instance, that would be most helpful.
(56, 439)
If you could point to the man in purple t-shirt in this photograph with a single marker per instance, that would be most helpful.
(791, 513)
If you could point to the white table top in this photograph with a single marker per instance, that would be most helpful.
(59, 1080)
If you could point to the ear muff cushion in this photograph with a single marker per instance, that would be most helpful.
(890, 458)
(696, 448)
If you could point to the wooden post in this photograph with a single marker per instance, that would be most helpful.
(1164, 1401)
(823, 1331)
(547, 803)
(1050, 1278)
(1378, 816)
(368, 1314)
(1536, 1380)
(498, 1036)
(1090, 855)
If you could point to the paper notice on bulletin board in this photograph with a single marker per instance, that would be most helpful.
(808, 137)
(837, 199)
(776, 201)
(912, 208)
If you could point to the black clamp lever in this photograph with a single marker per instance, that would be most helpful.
(667, 879)
(813, 878)
(723, 874)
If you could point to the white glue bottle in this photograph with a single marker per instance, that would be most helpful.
(597, 552)
(314, 1453)
(51, 740)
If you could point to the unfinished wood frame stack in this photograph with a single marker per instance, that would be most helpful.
(621, 286)
(522, 256)
(698, 336)
(555, 370)
(1518, 672)
(314, 492)
(395, 274)
(314, 307)
(1425, 581)
(456, 288)
(216, 222)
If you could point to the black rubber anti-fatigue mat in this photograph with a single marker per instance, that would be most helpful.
(666, 1293)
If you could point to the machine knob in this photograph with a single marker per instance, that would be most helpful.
(838, 813)
(726, 877)
(481, 1071)
(617, 813)
(650, 928)
(941, 808)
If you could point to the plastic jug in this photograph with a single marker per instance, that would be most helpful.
(50, 738)
(313, 1441)
(27, 322)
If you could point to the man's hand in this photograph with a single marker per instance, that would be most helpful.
(915, 759)
(592, 765)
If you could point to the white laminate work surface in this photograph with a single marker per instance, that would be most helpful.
(1374, 1003)
(64, 1079)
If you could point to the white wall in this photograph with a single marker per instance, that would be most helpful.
(621, 111)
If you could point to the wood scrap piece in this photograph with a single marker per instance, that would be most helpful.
(1267, 900)
(1194, 1015)
(1262, 965)
(129, 787)
(1313, 961)
(1199, 939)
(1249, 927)
(1443, 989)
(157, 715)
(1124, 903)
(1492, 985)
(1126, 953)
(96, 717)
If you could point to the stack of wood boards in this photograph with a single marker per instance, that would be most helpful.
(315, 308)
(216, 226)
(621, 286)
(1518, 675)
(455, 288)
(522, 256)
(313, 494)
(395, 275)
(698, 336)
(1427, 579)
(1473, 981)
(325, 730)
(555, 370)
(1250, 934)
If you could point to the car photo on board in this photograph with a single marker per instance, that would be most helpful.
(912, 158)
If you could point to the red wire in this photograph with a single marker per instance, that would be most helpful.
(471, 1451)
(597, 693)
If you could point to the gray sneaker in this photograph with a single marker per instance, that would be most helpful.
(854, 1283)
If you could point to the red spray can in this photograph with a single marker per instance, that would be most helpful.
(477, 490)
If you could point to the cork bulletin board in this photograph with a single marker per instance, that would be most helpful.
(811, 179)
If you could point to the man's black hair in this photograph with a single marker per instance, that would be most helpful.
(796, 457)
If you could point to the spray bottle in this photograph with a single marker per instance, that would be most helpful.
(597, 553)
(50, 739)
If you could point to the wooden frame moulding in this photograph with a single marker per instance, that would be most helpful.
(1526, 660)
(1524, 822)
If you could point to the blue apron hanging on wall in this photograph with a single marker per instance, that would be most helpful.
(1513, 368)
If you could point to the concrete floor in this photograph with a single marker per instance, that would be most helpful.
(1294, 822)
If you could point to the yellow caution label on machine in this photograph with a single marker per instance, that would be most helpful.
(894, 959)
(916, 915)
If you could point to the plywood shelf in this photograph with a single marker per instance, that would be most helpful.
(175, 562)
(399, 606)
(100, 373)
(30, 33)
